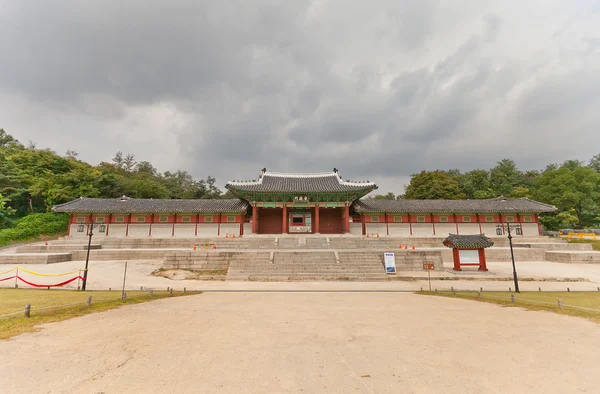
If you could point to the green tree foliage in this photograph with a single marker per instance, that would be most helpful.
(433, 185)
(33, 226)
(389, 196)
(571, 188)
(34, 180)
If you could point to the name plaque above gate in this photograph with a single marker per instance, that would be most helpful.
(301, 199)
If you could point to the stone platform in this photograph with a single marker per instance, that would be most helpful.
(34, 258)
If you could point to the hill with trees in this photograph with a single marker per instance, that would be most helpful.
(33, 180)
(573, 187)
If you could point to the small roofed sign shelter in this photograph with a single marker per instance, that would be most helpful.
(476, 242)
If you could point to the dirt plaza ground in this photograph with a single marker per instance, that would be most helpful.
(307, 342)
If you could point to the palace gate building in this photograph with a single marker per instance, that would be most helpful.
(287, 203)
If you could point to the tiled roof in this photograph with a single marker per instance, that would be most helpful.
(491, 205)
(291, 182)
(475, 241)
(139, 205)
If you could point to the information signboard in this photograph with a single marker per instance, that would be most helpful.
(390, 262)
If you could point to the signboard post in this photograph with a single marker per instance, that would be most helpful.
(429, 266)
(390, 263)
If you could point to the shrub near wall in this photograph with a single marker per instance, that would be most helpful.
(33, 226)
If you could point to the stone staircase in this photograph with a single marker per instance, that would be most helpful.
(306, 266)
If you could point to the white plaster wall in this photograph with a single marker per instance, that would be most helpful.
(468, 228)
(73, 232)
(247, 228)
(443, 229)
(356, 228)
(230, 228)
(530, 229)
(138, 230)
(489, 229)
(376, 228)
(422, 229)
(207, 229)
(117, 230)
(399, 229)
(162, 230)
(184, 230)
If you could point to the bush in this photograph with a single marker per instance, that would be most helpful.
(33, 226)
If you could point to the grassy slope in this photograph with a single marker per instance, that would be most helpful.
(14, 300)
(35, 227)
(539, 301)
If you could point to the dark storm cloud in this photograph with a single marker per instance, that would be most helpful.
(379, 89)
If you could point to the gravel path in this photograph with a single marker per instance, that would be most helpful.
(307, 342)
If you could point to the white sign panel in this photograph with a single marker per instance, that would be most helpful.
(469, 256)
(390, 263)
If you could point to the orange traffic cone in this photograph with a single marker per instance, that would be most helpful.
(413, 247)
(227, 235)
(406, 246)
(214, 246)
(46, 244)
(233, 236)
(367, 235)
(377, 235)
(194, 247)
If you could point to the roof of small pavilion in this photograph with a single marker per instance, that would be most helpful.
(490, 205)
(475, 241)
(321, 182)
(141, 205)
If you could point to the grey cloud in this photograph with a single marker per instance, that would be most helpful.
(378, 89)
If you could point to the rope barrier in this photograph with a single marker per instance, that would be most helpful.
(42, 274)
(54, 285)
(6, 272)
(10, 277)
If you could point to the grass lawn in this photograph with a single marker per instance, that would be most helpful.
(14, 300)
(538, 301)
(595, 244)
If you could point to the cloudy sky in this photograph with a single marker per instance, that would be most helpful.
(379, 89)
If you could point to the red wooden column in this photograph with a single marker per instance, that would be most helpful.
(479, 221)
(150, 229)
(127, 225)
(454, 216)
(347, 218)
(317, 220)
(387, 224)
(432, 223)
(482, 262)
(410, 223)
(219, 224)
(107, 224)
(456, 257)
(284, 220)
(254, 219)
(173, 227)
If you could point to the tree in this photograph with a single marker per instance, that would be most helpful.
(433, 185)
(575, 188)
(505, 177)
(5, 213)
(71, 154)
(7, 139)
(476, 184)
(389, 196)
(595, 162)
(129, 162)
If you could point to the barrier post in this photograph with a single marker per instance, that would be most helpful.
(560, 304)
(123, 295)
(89, 301)
(27, 310)
(512, 298)
(16, 279)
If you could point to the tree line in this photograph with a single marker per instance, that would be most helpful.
(34, 180)
(573, 187)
